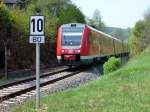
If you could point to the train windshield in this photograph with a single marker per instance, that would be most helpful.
(71, 39)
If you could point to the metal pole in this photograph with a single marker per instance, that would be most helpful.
(37, 76)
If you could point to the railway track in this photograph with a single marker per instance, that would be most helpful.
(16, 92)
(44, 74)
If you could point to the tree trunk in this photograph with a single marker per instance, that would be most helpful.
(6, 74)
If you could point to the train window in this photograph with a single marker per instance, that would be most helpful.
(71, 40)
(72, 36)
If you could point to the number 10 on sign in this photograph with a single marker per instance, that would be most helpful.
(37, 25)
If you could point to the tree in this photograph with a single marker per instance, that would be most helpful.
(56, 12)
(140, 37)
(135, 40)
(96, 21)
(147, 15)
(146, 33)
(65, 12)
(71, 14)
(6, 22)
(23, 3)
(56, 5)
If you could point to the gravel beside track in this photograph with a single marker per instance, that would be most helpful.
(70, 82)
(73, 81)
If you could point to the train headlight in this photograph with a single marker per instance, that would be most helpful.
(78, 51)
(62, 51)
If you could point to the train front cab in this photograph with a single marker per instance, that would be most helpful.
(69, 43)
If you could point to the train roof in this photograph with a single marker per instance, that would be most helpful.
(73, 25)
(107, 35)
(83, 25)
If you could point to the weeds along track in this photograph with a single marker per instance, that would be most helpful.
(17, 91)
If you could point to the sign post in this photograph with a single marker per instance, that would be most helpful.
(37, 37)
(37, 76)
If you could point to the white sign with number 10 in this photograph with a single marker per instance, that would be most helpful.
(37, 29)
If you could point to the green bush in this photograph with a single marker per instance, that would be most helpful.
(112, 64)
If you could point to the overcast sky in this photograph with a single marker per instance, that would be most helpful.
(116, 13)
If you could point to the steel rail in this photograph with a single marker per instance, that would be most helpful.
(30, 79)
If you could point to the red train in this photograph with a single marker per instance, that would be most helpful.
(82, 44)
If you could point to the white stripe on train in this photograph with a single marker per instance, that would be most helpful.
(81, 57)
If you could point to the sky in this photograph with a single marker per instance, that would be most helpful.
(115, 13)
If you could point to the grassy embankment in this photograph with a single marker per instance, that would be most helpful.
(125, 90)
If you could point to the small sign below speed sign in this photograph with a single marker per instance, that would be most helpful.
(36, 28)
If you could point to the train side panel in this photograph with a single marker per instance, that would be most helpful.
(86, 56)
(118, 47)
(107, 46)
(102, 45)
(94, 44)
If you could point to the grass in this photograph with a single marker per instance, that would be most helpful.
(125, 90)
(3, 80)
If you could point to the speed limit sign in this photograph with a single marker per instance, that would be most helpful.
(37, 29)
